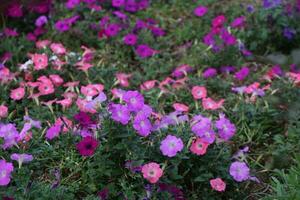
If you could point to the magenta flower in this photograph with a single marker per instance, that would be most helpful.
(142, 125)
(53, 131)
(200, 124)
(120, 113)
(200, 11)
(130, 39)
(112, 30)
(171, 145)
(14, 10)
(70, 4)
(238, 22)
(134, 100)
(84, 120)
(87, 146)
(21, 158)
(242, 74)
(118, 3)
(144, 51)
(239, 171)
(225, 128)
(5, 172)
(62, 26)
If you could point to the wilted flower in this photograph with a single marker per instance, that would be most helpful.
(21, 158)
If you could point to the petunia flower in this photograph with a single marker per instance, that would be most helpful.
(87, 146)
(21, 158)
(152, 172)
(239, 171)
(171, 145)
(5, 171)
(218, 184)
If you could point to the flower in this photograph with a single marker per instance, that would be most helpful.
(152, 172)
(134, 100)
(122, 79)
(142, 125)
(242, 74)
(112, 30)
(180, 107)
(209, 104)
(62, 26)
(15, 10)
(238, 22)
(87, 146)
(200, 11)
(5, 171)
(217, 184)
(218, 21)
(3, 111)
(239, 171)
(199, 92)
(171, 145)
(40, 61)
(225, 128)
(130, 39)
(21, 158)
(199, 146)
(53, 131)
(17, 94)
(84, 119)
(42, 20)
(10, 135)
(210, 72)
(103, 194)
(120, 113)
(144, 51)
(58, 48)
(118, 3)
(289, 33)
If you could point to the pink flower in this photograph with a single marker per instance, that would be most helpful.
(88, 90)
(200, 11)
(15, 10)
(148, 85)
(218, 184)
(17, 94)
(209, 104)
(123, 79)
(40, 61)
(45, 88)
(180, 107)
(199, 92)
(58, 48)
(56, 79)
(199, 147)
(42, 44)
(218, 21)
(3, 111)
(5, 171)
(152, 172)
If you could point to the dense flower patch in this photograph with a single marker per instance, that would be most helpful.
(134, 99)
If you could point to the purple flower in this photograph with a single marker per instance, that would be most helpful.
(142, 125)
(5, 171)
(42, 20)
(120, 15)
(145, 111)
(239, 171)
(103, 194)
(242, 74)
(200, 124)
(84, 120)
(250, 8)
(62, 26)
(227, 69)
(228, 38)
(271, 3)
(200, 11)
(130, 39)
(120, 113)
(208, 39)
(238, 22)
(131, 6)
(134, 100)
(53, 132)
(145, 51)
(171, 145)
(226, 129)
(210, 72)
(158, 32)
(21, 158)
(289, 33)
(118, 3)
(239, 90)
(10, 135)
(112, 30)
